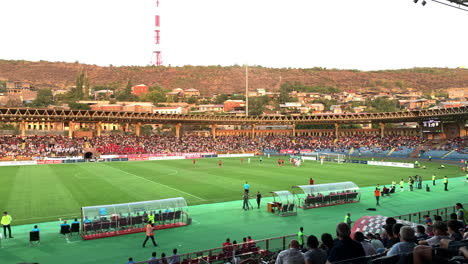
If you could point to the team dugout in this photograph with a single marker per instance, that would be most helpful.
(119, 219)
(328, 194)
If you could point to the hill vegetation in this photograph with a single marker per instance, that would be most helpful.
(229, 80)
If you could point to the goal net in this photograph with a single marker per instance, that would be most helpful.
(331, 157)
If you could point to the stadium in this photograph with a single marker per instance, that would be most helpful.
(342, 138)
(193, 186)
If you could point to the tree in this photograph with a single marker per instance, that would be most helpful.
(44, 98)
(192, 100)
(126, 93)
(382, 104)
(155, 95)
(80, 80)
(78, 106)
(257, 105)
(221, 98)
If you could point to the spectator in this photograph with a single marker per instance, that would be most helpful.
(406, 243)
(293, 255)
(440, 231)
(345, 247)
(376, 243)
(314, 255)
(163, 258)
(395, 235)
(421, 233)
(174, 259)
(368, 248)
(453, 230)
(227, 246)
(252, 243)
(462, 214)
(153, 259)
(327, 242)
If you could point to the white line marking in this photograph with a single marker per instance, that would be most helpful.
(167, 186)
(74, 215)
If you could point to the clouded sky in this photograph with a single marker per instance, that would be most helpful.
(344, 34)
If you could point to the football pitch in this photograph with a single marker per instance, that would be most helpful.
(41, 193)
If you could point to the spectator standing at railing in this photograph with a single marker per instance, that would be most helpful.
(292, 255)
(462, 214)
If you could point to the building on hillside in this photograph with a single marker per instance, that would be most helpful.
(359, 109)
(316, 108)
(102, 93)
(336, 109)
(140, 89)
(56, 92)
(290, 107)
(191, 92)
(234, 105)
(210, 108)
(416, 104)
(167, 110)
(18, 86)
(457, 93)
(450, 104)
(107, 107)
(139, 107)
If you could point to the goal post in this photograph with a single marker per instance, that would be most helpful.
(331, 157)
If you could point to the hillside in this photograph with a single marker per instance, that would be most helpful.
(217, 79)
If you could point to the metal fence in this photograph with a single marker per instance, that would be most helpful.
(418, 217)
(264, 247)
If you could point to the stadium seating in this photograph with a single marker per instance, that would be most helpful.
(18, 148)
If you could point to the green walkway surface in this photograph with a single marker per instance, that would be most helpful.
(213, 223)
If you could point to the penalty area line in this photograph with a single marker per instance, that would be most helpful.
(167, 186)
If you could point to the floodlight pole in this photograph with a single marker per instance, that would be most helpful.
(246, 90)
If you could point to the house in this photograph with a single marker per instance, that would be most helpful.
(234, 105)
(140, 89)
(336, 109)
(191, 92)
(455, 93)
(167, 110)
(213, 108)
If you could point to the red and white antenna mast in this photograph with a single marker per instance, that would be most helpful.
(157, 29)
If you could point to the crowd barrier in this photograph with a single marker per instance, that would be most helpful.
(418, 217)
(263, 247)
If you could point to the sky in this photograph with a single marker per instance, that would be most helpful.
(342, 34)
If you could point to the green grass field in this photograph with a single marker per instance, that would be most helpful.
(34, 194)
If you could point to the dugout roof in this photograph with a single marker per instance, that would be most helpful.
(135, 208)
(329, 187)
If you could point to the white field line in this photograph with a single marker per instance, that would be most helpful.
(169, 187)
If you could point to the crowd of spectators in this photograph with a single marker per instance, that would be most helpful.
(432, 242)
(50, 146)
